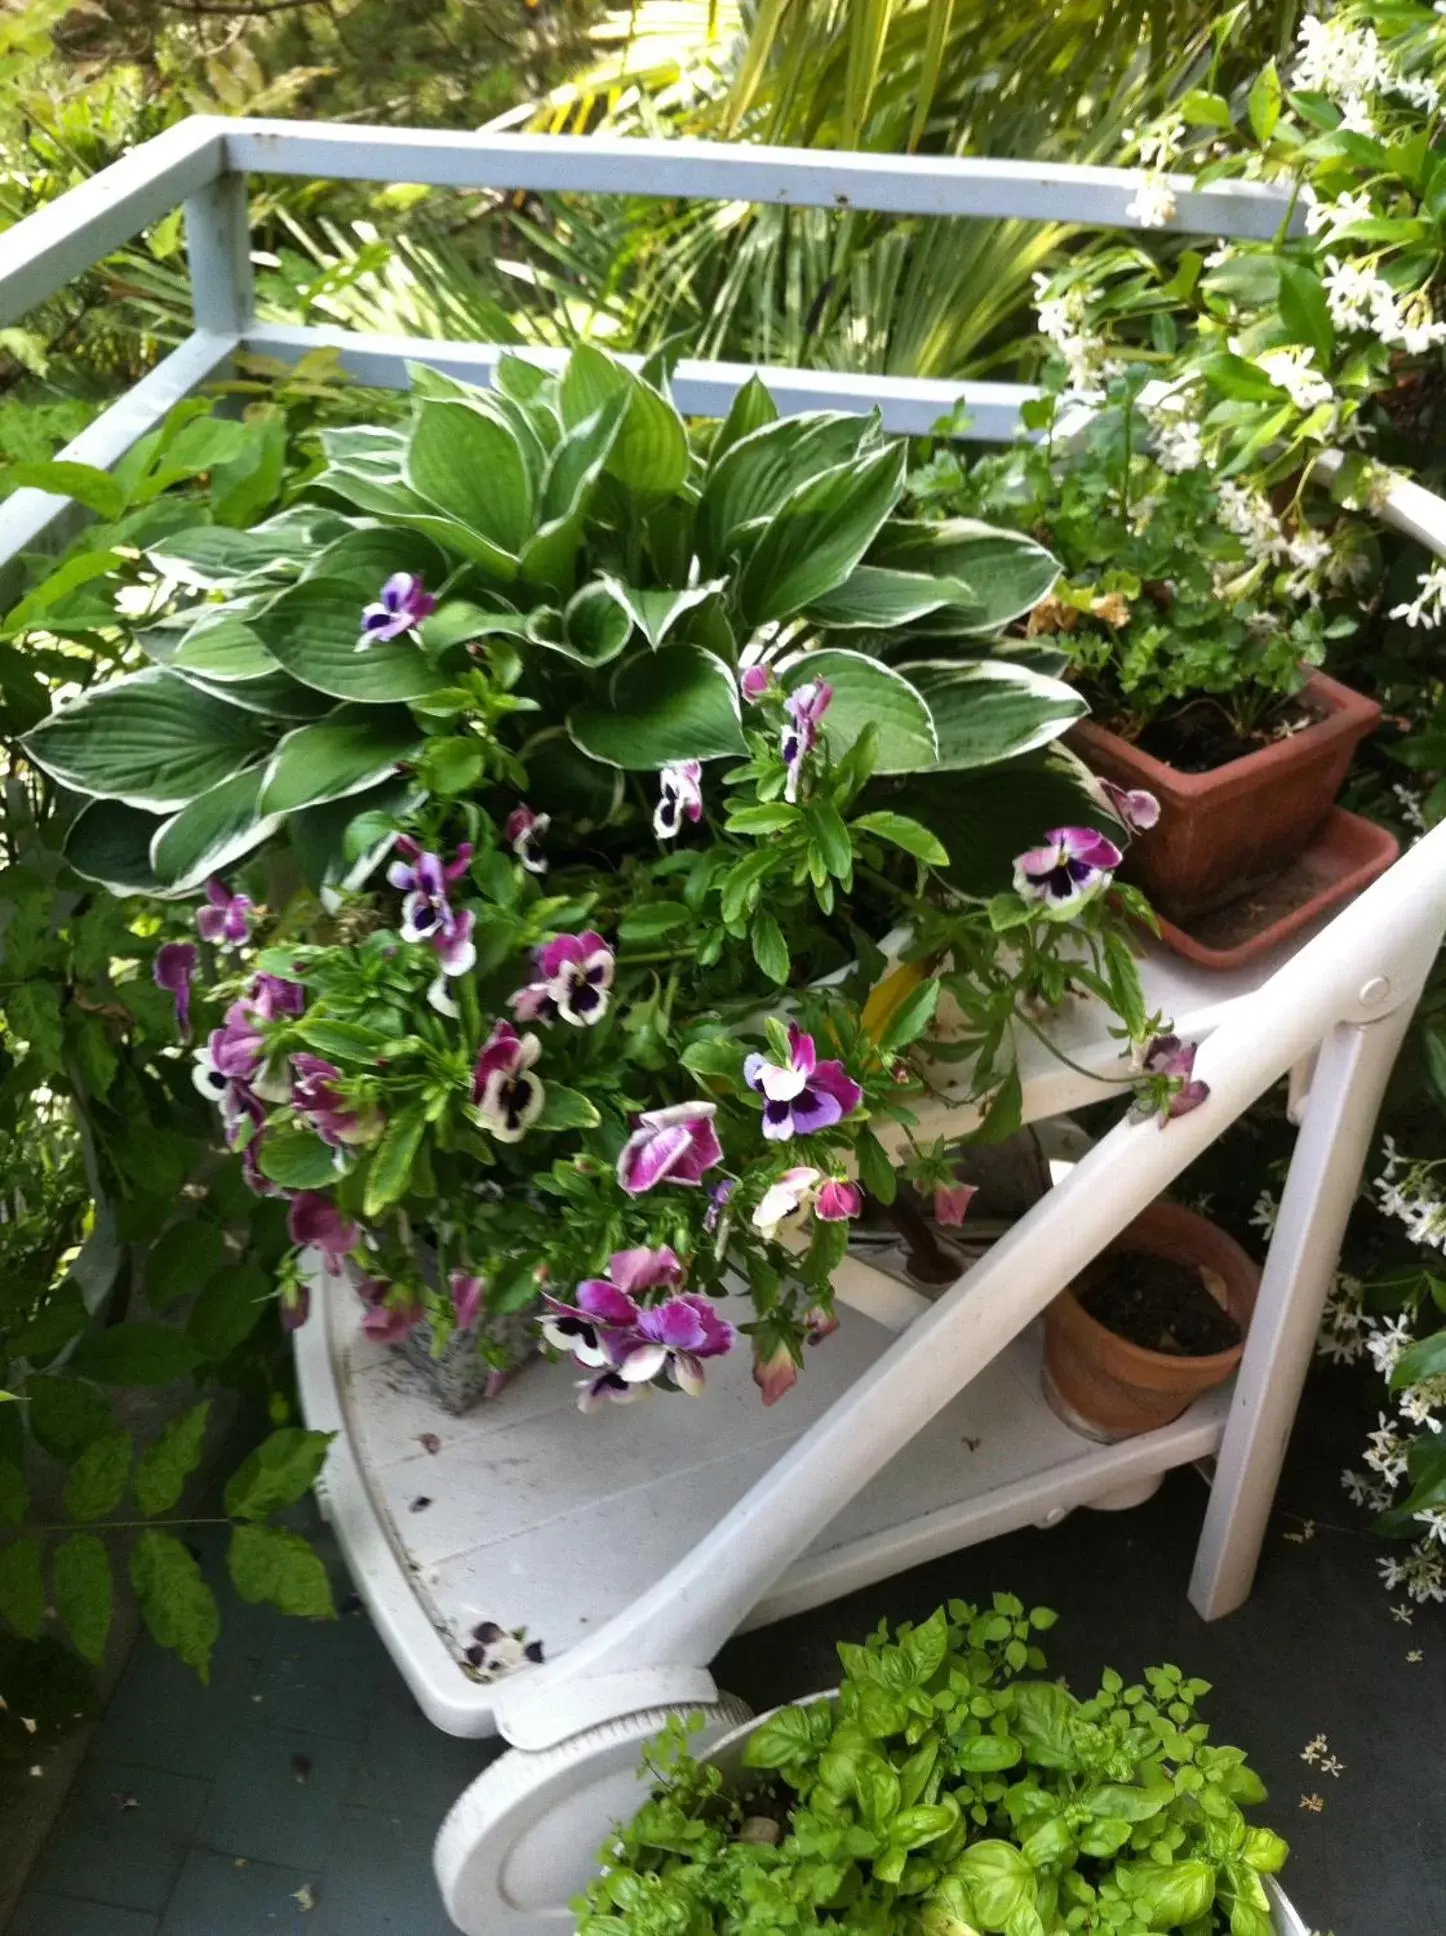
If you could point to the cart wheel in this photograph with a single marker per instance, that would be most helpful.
(522, 1841)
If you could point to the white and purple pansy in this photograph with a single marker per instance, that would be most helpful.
(1074, 864)
(755, 682)
(838, 1200)
(427, 913)
(174, 969)
(403, 604)
(225, 921)
(680, 798)
(523, 831)
(599, 1310)
(1172, 1063)
(574, 979)
(392, 1312)
(314, 1221)
(674, 1145)
(506, 1095)
(674, 1338)
(1134, 807)
(319, 1102)
(627, 1343)
(803, 1094)
(805, 708)
(466, 1292)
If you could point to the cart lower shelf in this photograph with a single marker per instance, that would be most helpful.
(532, 1517)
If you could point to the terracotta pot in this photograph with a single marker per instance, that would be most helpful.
(1111, 1389)
(1224, 832)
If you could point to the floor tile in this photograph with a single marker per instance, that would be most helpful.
(219, 1896)
(379, 1881)
(163, 1717)
(318, 1675)
(122, 1835)
(408, 1764)
(46, 1915)
(278, 1796)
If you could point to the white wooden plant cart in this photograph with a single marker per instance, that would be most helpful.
(632, 1545)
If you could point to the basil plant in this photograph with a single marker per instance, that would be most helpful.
(626, 571)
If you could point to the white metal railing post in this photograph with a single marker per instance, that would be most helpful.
(218, 244)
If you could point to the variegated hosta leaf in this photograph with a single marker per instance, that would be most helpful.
(868, 693)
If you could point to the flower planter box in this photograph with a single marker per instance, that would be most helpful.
(1110, 1388)
(1223, 832)
(458, 1376)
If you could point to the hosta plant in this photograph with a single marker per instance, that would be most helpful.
(948, 1789)
(570, 530)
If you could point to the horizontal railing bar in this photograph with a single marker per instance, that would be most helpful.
(724, 171)
(27, 517)
(80, 228)
(910, 405)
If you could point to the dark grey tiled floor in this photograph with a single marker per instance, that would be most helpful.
(305, 1774)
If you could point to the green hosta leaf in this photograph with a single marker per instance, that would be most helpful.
(111, 844)
(213, 554)
(312, 629)
(229, 1309)
(277, 1474)
(866, 693)
(396, 502)
(596, 625)
(677, 704)
(165, 1465)
(566, 1109)
(819, 533)
(274, 695)
(66, 1416)
(873, 597)
(470, 464)
(176, 1603)
(656, 612)
(223, 648)
(900, 831)
(365, 559)
(80, 1573)
(1006, 572)
(22, 1587)
(268, 1563)
(348, 753)
(212, 833)
(458, 621)
(97, 490)
(580, 458)
(390, 1171)
(749, 480)
(987, 816)
(136, 1353)
(149, 739)
(752, 409)
(97, 1480)
(650, 452)
(988, 710)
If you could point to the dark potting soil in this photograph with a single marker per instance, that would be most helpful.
(1155, 1302)
(1200, 736)
(1307, 876)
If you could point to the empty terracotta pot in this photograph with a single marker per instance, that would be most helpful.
(1223, 832)
(1101, 1383)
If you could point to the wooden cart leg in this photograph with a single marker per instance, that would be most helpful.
(1340, 1118)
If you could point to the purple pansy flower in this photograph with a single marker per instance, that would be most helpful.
(674, 1337)
(174, 969)
(837, 1200)
(804, 1094)
(718, 1203)
(785, 1197)
(754, 682)
(1133, 807)
(385, 1321)
(226, 919)
(508, 1098)
(1072, 865)
(427, 914)
(1168, 1056)
(609, 1387)
(575, 973)
(272, 998)
(403, 604)
(951, 1202)
(313, 1220)
(603, 1307)
(670, 1145)
(319, 1103)
(805, 708)
(680, 798)
(466, 1294)
(523, 832)
(295, 1303)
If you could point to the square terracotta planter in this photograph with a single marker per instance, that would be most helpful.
(1224, 832)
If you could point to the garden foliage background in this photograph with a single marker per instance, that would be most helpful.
(117, 1208)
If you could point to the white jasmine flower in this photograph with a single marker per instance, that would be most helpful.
(1250, 516)
(1290, 370)
(1419, 89)
(1419, 1404)
(1356, 116)
(1265, 1213)
(1154, 203)
(1355, 294)
(1433, 1518)
(1159, 146)
(1389, 1341)
(1427, 607)
(1222, 253)
(1385, 1451)
(1342, 61)
(1328, 218)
